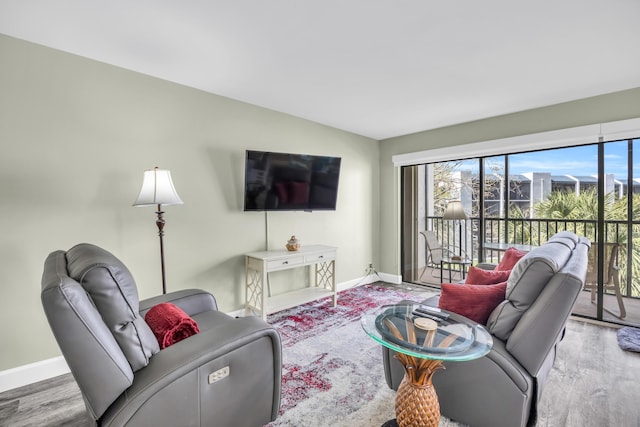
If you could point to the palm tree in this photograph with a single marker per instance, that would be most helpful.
(584, 208)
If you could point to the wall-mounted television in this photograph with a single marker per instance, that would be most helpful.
(290, 182)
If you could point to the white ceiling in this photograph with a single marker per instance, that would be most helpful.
(379, 68)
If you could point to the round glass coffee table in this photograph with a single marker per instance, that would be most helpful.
(423, 338)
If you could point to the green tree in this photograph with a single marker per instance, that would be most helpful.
(450, 180)
(584, 207)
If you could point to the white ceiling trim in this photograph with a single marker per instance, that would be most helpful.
(611, 131)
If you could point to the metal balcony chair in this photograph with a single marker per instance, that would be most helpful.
(611, 277)
(435, 253)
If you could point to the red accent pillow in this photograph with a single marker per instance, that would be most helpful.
(479, 276)
(509, 259)
(475, 302)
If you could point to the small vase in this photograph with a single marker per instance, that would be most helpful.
(293, 244)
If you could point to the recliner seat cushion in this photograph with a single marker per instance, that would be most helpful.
(113, 291)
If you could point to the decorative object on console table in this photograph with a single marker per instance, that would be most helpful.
(293, 244)
(158, 190)
(260, 264)
(455, 212)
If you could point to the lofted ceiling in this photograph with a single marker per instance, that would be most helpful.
(378, 68)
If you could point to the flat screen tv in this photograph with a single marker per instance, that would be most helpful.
(290, 182)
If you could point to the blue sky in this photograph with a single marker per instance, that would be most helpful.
(578, 161)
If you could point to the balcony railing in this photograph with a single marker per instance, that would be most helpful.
(537, 231)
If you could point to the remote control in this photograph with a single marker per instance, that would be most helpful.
(433, 313)
(427, 316)
(429, 308)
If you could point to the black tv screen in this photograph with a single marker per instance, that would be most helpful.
(290, 182)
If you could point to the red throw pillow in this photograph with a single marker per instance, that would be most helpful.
(475, 302)
(479, 276)
(509, 259)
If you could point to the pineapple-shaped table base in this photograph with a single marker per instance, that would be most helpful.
(416, 400)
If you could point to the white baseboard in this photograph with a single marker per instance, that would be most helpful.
(391, 278)
(32, 373)
(45, 369)
(372, 278)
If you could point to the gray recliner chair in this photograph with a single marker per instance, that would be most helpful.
(229, 374)
(502, 388)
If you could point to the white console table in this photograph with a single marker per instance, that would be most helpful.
(260, 264)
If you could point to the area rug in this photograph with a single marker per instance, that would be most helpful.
(332, 371)
(629, 338)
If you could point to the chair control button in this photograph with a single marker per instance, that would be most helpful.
(218, 375)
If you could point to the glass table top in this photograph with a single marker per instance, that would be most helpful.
(427, 332)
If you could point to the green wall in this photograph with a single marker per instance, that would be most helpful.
(77, 135)
(599, 109)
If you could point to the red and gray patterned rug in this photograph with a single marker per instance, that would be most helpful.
(332, 371)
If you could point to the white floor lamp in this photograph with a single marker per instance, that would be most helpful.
(158, 190)
(455, 212)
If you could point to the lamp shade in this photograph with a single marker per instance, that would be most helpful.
(157, 189)
(454, 210)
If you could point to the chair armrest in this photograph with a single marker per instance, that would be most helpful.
(191, 301)
(250, 347)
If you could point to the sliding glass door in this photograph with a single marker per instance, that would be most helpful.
(524, 198)
(413, 220)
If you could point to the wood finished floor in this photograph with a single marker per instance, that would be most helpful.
(54, 402)
(593, 384)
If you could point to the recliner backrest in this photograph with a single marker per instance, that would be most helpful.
(542, 326)
(541, 292)
(91, 304)
(113, 291)
(528, 277)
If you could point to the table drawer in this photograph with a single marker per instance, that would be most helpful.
(320, 257)
(288, 262)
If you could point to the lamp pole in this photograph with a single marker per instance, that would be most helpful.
(160, 224)
(460, 237)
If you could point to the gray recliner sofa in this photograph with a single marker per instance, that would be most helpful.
(502, 388)
(229, 374)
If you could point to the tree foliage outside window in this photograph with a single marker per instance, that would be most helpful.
(583, 207)
(560, 210)
(452, 179)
